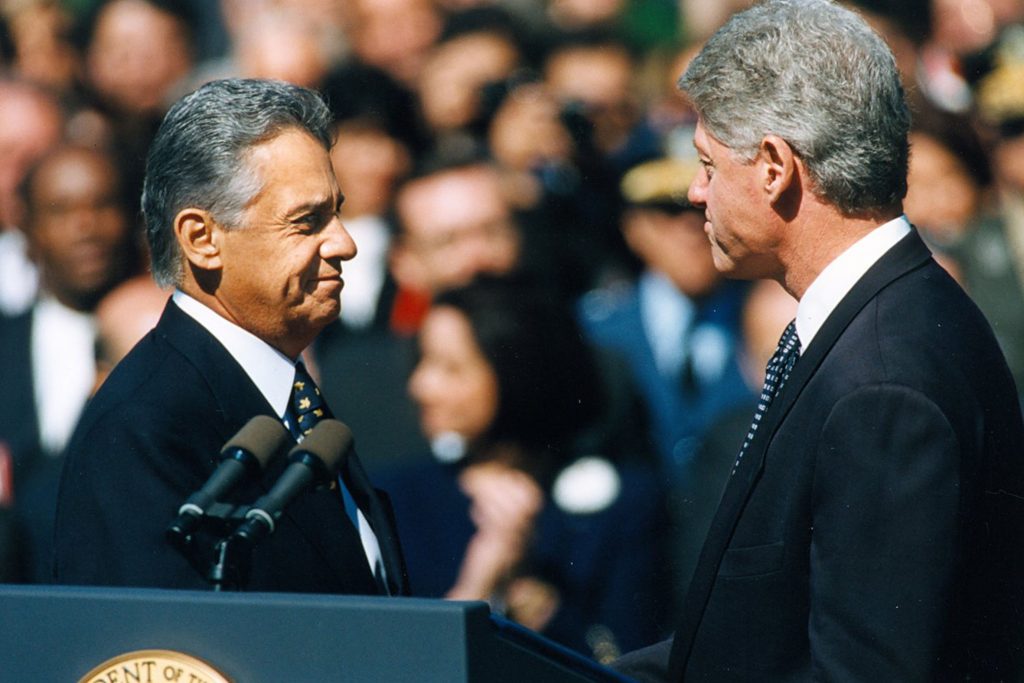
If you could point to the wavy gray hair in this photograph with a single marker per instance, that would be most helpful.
(817, 76)
(199, 156)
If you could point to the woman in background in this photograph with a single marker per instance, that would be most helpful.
(567, 545)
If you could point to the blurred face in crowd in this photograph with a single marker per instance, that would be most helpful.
(78, 227)
(582, 13)
(455, 224)
(1008, 161)
(137, 54)
(44, 53)
(127, 313)
(728, 190)
(672, 242)
(455, 73)
(453, 384)
(942, 196)
(281, 45)
(278, 275)
(368, 163)
(30, 124)
(526, 130)
(395, 35)
(598, 78)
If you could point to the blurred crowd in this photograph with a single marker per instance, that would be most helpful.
(536, 354)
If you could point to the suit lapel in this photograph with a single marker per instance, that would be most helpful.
(237, 398)
(908, 254)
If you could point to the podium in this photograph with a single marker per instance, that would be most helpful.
(63, 633)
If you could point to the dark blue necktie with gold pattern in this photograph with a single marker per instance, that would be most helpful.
(307, 406)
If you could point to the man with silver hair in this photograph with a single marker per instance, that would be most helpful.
(242, 214)
(872, 527)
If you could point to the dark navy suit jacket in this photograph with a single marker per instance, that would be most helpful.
(874, 531)
(150, 437)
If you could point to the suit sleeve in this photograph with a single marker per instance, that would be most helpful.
(885, 525)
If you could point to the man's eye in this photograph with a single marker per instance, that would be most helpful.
(312, 221)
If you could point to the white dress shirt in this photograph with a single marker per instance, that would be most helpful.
(273, 373)
(63, 348)
(365, 274)
(839, 277)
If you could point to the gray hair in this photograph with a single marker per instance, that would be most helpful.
(198, 158)
(817, 76)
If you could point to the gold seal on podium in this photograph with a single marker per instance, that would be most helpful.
(154, 666)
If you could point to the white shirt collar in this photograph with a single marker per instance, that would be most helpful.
(270, 370)
(839, 277)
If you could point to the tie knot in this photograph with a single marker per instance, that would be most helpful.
(307, 404)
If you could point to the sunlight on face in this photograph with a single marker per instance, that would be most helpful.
(281, 278)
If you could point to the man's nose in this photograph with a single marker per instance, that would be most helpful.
(338, 243)
(698, 189)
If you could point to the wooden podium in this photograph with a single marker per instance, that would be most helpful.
(63, 633)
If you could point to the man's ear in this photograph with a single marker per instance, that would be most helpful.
(199, 237)
(779, 166)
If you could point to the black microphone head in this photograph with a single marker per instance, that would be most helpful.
(262, 437)
(329, 442)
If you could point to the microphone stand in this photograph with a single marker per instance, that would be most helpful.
(221, 557)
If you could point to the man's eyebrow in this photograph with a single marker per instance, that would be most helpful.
(315, 205)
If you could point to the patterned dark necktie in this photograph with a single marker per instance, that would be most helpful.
(776, 374)
(307, 409)
(307, 405)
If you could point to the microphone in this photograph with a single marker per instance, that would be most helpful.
(313, 462)
(244, 454)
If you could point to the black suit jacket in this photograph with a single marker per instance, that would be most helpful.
(152, 436)
(874, 530)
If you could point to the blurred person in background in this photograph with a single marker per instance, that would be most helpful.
(123, 317)
(31, 123)
(395, 35)
(137, 54)
(478, 47)
(591, 77)
(558, 185)
(991, 255)
(959, 46)
(292, 42)
(44, 53)
(677, 324)
(453, 223)
(512, 512)
(80, 236)
(369, 163)
(946, 184)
